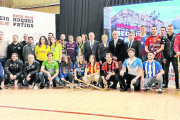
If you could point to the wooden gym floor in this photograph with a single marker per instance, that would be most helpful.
(75, 104)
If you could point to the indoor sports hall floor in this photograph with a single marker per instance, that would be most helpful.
(75, 104)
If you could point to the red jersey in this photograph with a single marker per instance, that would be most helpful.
(93, 69)
(110, 67)
(154, 44)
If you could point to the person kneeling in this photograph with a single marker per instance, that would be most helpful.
(13, 71)
(153, 71)
(110, 71)
(134, 66)
(1, 75)
(31, 72)
(66, 71)
(92, 71)
(49, 72)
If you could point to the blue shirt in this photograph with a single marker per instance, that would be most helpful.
(133, 65)
(151, 69)
(1, 70)
(65, 73)
(80, 70)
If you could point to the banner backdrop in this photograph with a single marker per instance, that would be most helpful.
(127, 18)
(18, 22)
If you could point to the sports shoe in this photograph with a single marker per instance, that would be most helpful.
(8, 85)
(31, 86)
(123, 89)
(147, 89)
(0, 88)
(160, 91)
(35, 86)
(19, 85)
(165, 86)
(42, 87)
(47, 84)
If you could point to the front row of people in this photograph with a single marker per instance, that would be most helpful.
(133, 72)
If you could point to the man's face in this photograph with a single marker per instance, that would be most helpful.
(143, 29)
(25, 37)
(131, 36)
(91, 36)
(153, 31)
(14, 57)
(15, 38)
(115, 35)
(62, 37)
(50, 57)
(49, 36)
(71, 39)
(163, 31)
(1, 36)
(170, 30)
(30, 41)
(150, 56)
(30, 58)
(131, 54)
(108, 58)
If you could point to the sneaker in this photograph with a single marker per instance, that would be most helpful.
(123, 89)
(165, 86)
(8, 85)
(42, 87)
(160, 91)
(147, 89)
(19, 85)
(47, 84)
(35, 86)
(0, 88)
(31, 86)
(177, 89)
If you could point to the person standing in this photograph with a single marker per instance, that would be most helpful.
(49, 37)
(62, 42)
(25, 41)
(142, 38)
(3, 52)
(29, 48)
(91, 47)
(167, 42)
(15, 47)
(116, 47)
(80, 45)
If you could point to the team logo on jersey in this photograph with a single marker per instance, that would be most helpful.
(128, 64)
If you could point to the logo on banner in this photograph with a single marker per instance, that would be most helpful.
(4, 20)
(23, 21)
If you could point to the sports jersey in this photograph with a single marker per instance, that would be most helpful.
(154, 44)
(80, 70)
(51, 67)
(56, 51)
(71, 49)
(133, 65)
(151, 69)
(64, 73)
(142, 40)
(93, 69)
(42, 52)
(108, 68)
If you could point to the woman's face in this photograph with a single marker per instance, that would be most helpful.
(81, 58)
(91, 59)
(78, 40)
(104, 40)
(66, 59)
(53, 40)
(42, 40)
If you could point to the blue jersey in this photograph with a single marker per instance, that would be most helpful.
(133, 65)
(66, 72)
(151, 69)
(80, 70)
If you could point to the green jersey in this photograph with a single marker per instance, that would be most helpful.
(51, 67)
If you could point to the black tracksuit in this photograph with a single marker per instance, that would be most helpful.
(12, 48)
(14, 68)
(33, 70)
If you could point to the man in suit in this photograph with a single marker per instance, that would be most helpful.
(116, 47)
(91, 47)
(133, 44)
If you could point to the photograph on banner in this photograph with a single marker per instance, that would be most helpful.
(20, 22)
(126, 18)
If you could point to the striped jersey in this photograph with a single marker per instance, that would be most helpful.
(151, 69)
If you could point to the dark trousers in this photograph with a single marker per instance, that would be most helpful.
(34, 78)
(69, 78)
(1, 79)
(129, 78)
(78, 77)
(3, 61)
(113, 79)
(175, 66)
(8, 80)
(40, 62)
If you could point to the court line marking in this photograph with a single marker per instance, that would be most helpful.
(69, 112)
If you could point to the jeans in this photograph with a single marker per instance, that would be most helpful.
(44, 79)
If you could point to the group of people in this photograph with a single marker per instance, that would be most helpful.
(143, 61)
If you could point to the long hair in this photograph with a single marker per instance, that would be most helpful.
(46, 41)
(79, 44)
(86, 38)
(69, 62)
(83, 62)
(51, 42)
(93, 58)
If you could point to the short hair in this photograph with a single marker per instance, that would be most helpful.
(150, 52)
(143, 26)
(30, 37)
(170, 26)
(163, 27)
(15, 54)
(51, 34)
(31, 55)
(131, 49)
(71, 36)
(15, 35)
(154, 26)
(131, 32)
(2, 32)
(105, 36)
(109, 54)
(50, 53)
